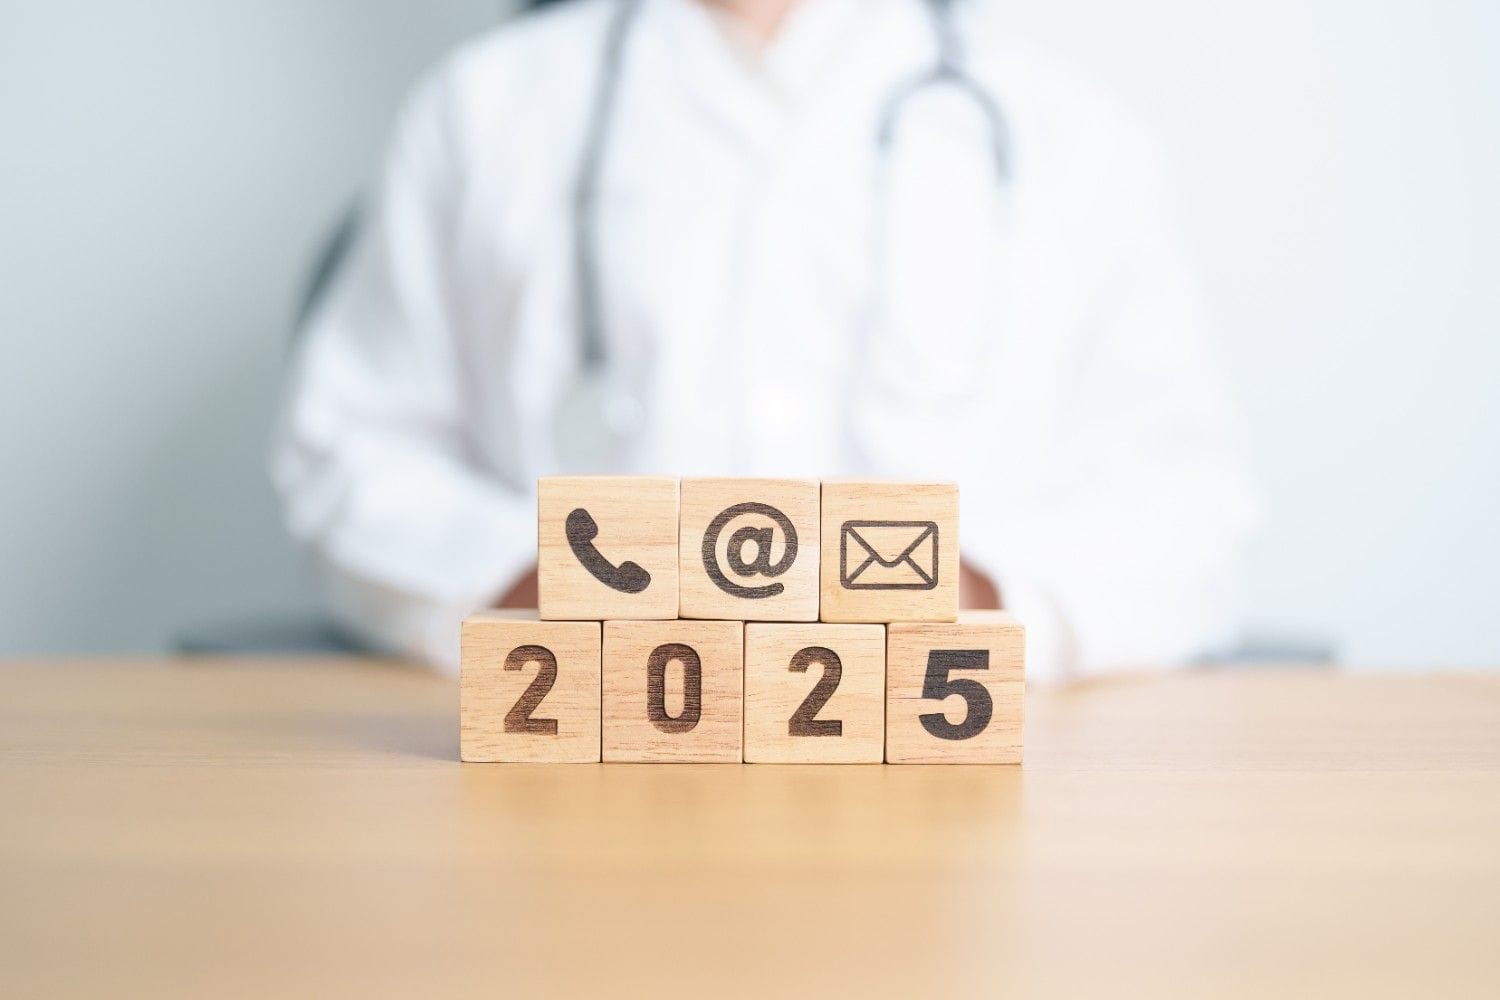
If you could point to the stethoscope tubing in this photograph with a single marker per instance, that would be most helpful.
(595, 378)
(949, 69)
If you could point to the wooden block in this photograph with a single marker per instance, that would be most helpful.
(749, 549)
(955, 691)
(890, 552)
(673, 691)
(814, 694)
(530, 690)
(606, 547)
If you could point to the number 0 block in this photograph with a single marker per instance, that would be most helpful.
(814, 694)
(673, 691)
(955, 691)
(530, 690)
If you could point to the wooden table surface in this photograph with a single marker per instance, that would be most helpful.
(252, 828)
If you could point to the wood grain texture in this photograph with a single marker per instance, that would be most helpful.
(775, 694)
(302, 827)
(723, 572)
(890, 552)
(635, 521)
(502, 663)
(991, 652)
(675, 721)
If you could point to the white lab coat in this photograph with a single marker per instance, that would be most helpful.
(1039, 343)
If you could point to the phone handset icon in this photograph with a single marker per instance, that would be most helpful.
(628, 577)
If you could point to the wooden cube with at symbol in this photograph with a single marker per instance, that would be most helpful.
(749, 549)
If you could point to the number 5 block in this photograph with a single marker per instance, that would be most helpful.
(530, 689)
(954, 691)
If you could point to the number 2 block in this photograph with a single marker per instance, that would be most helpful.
(814, 694)
(955, 691)
(530, 690)
(673, 691)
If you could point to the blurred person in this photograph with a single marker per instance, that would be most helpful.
(771, 237)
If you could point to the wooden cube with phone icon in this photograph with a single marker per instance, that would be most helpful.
(607, 547)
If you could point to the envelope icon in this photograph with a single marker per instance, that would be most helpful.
(888, 555)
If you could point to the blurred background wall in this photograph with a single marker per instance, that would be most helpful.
(169, 168)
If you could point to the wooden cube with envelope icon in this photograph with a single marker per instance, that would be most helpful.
(890, 552)
(606, 547)
(955, 691)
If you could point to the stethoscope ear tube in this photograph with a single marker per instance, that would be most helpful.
(586, 268)
(948, 71)
(601, 414)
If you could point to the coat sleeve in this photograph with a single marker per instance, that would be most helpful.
(371, 456)
(1132, 559)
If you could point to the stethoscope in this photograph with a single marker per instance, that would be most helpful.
(603, 415)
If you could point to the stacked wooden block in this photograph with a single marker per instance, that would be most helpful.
(756, 620)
